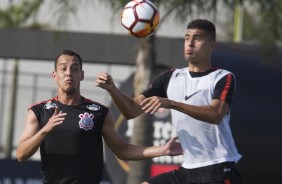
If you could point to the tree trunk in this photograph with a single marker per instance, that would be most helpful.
(143, 125)
(238, 21)
(10, 132)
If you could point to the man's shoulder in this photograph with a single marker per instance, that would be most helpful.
(94, 105)
(219, 72)
(177, 72)
(47, 103)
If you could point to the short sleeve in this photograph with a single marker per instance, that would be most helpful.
(159, 85)
(225, 89)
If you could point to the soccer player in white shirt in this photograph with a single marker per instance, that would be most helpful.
(200, 97)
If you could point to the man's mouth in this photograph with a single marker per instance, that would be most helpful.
(68, 81)
(189, 52)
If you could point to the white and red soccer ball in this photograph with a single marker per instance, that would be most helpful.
(140, 18)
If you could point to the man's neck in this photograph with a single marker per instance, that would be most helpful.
(70, 99)
(199, 67)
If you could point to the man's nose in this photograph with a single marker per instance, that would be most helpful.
(190, 42)
(68, 71)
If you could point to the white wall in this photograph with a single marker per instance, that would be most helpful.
(99, 18)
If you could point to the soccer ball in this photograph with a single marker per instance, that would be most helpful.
(140, 18)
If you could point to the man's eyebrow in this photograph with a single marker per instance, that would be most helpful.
(74, 64)
(62, 63)
(194, 35)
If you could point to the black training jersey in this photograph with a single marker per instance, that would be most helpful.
(73, 152)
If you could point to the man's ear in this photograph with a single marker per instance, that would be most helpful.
(212, 46)
(82, 75)
(54, 75)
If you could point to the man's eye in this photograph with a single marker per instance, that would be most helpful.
(63, 69)
(74, 68)
(198, 38)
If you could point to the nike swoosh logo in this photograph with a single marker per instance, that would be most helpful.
(187, 97)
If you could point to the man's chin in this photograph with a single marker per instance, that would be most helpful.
(70, 91)
(188, 58)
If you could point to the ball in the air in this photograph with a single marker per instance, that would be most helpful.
(140, 18)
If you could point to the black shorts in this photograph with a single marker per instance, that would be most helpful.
(223, 173)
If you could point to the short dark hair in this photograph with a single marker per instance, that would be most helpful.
(69, 53)
(205, 25)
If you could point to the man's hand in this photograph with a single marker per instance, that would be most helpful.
(152, 104)
(173, 148)
(105, 81)
(57, 119)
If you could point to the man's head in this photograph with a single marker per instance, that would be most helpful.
(199, 42)
(68, 53)
(68, 72)
(204, 25)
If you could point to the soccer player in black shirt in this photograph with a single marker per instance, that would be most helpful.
(69, 129)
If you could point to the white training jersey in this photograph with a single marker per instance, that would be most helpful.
(203, 143)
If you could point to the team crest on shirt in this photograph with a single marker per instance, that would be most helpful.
(49, 105)
(86, 121)
(93, 107)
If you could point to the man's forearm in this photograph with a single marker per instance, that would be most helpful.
(27, 148)
(128, 107)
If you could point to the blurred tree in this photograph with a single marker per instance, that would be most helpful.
(269, 30)
(17, 16)
(21, 15)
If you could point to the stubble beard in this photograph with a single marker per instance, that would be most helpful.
(69, 90)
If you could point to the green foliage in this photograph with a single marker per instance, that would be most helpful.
(18, 15)
(181, 8)
(271, 20)
(62, 10)
(265, 26)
